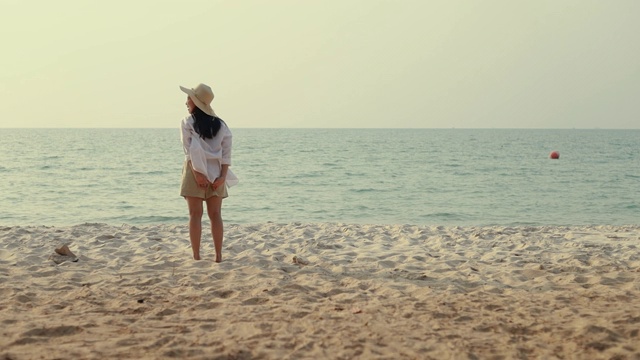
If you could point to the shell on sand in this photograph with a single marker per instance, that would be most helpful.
(63, 254)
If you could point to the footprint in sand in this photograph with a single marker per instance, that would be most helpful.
(44, 334)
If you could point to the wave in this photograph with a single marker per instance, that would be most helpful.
(150, 219)
(155, 172)
(364, 190)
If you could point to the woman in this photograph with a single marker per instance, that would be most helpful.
(206, 140)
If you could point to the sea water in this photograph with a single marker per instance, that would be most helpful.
(385, 176)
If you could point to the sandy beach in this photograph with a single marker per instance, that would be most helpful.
(321, 291)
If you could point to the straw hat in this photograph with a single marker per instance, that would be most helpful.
(202, 96)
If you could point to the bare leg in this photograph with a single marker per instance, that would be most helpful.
(214, 206)
(195, 224)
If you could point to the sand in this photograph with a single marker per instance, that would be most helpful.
(321, 291)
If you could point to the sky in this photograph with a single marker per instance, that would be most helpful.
(322, 63)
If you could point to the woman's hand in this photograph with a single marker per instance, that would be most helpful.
(202, 180)
(219, 181)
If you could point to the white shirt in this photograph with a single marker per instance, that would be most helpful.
(208, 155)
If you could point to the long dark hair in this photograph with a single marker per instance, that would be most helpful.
(206, 126)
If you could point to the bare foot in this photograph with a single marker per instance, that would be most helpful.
(196, 257)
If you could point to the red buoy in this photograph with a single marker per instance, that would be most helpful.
(554, 155)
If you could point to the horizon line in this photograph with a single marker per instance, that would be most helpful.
(319, 128)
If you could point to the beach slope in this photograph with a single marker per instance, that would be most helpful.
(321, 291)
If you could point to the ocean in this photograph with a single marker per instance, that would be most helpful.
(449, 177)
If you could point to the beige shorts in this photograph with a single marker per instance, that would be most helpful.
(190, 187)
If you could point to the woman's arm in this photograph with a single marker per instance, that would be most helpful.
(227, 141)
(223, 171)
(185, 136)
(226, 158)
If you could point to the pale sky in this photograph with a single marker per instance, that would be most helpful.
(323, 64)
